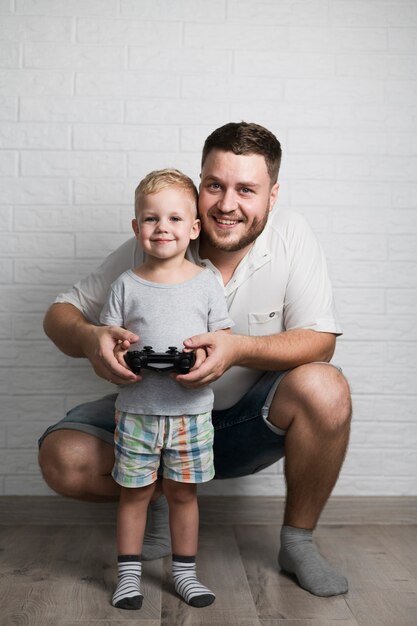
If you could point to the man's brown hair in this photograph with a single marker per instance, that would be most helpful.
(246, 138)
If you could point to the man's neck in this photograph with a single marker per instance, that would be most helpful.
(226, 262)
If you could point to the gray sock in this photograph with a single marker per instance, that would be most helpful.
(299, 555)
(157, 541)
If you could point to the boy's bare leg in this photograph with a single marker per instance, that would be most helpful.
(312, 404)
(183, 517)
(131, 521)
(78, 465)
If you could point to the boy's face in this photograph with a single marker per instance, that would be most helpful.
(165, 222)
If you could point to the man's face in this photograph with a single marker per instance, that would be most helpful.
(235, 199)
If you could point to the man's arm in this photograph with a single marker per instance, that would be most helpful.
(271, 352)
(74, 335)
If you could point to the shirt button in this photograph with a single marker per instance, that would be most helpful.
(272, 314)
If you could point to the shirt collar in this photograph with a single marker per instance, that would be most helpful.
(257, 256)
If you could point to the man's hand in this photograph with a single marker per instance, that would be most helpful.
(101, 343)
(221, 350)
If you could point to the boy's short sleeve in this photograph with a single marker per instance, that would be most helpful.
(112, 312)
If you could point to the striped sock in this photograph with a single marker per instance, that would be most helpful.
(127, 594)
(186, 583)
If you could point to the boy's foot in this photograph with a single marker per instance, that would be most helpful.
(127, 594)
(186, 583)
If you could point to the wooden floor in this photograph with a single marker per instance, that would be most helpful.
(58, 566)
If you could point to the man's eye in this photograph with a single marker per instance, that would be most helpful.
(246, 190)
(214, 185)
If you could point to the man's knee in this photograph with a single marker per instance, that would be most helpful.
(320, 392)
(58, 466)
(68, 459)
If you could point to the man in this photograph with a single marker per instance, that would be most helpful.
(275, 392)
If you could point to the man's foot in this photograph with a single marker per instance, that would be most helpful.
(157, 541)
(299, 555)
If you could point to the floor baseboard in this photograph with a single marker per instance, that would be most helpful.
(214, 510)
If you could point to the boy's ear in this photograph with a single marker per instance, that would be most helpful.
(135, 226)
(195, 229)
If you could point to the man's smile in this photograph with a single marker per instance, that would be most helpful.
(226, 221)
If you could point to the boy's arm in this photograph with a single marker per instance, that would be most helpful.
(74, 335)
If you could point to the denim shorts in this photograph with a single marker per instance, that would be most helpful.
(244, 441)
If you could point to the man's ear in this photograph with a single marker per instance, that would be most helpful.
(135, 226)
(273, 195)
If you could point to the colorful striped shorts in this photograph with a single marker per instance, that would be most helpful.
(180, 447)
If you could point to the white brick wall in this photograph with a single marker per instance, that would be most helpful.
(95, 93)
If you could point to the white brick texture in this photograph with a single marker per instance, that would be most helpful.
(96, 93)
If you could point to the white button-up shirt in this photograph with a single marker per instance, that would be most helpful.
(281, 284)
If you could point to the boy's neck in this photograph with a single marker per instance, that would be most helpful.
(167, 271)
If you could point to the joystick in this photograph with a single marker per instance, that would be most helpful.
(170, 361)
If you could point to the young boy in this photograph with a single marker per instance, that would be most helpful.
(163, 301)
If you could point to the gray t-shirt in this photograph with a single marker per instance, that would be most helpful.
(163, 315)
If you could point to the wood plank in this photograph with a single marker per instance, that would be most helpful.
(112, 622)
(96, 581)
(361, 555)
(401, 543)
(39, 587)
(213, 510)
(67, 574)
(220, 568)
(379, 608)
(307, 622)
(277, 595)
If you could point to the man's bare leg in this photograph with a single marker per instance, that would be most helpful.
(312, 404)
(78, 465)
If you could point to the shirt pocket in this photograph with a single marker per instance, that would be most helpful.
(270, 323)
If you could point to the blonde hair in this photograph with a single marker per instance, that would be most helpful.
(161, 179)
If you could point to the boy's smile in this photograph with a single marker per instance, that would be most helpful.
(165, 223)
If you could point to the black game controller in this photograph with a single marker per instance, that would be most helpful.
(171, 360)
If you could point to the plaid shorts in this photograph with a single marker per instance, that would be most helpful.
(182, 445)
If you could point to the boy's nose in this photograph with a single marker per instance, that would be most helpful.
(162, 226)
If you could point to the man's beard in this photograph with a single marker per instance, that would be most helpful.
(247, 238)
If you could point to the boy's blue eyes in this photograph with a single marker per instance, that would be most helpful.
(174, 218)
